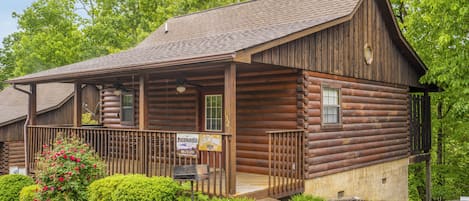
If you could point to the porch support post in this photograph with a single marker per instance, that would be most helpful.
(230, 122)
(32, 109)
(428, 180)
(143, 103)
(77, 108)
(31, 120)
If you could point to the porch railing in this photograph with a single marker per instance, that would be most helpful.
(420, 124)
(149, 152)
(286, 162)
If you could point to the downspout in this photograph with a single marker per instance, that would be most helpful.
(25, 130)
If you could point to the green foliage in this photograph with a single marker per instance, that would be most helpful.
(11, 185)
(232, 199)
(134, 187)
(65, 170)
(59, 32)
(86, 119)
(438, 31)
(303, 197)
(29, 193)
(102, 189)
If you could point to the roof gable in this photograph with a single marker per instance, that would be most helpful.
(339, 50)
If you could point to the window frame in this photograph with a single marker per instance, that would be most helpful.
(324, 124)
(204, 112)
(121, 116)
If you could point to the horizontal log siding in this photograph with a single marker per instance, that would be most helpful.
(11, 155)
(266, 101)
(3, 158)
(374, 127)
(339, 50)
(169, 110)
(110, 106)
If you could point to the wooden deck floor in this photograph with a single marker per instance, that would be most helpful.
(252, 185)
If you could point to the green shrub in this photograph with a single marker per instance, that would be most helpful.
(29, 193)
(11, 185)
(65, 171)
(303, 197)
(102, 189)
(232, 199)
(134, 187)
(166, 188)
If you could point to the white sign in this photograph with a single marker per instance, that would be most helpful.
(17, 170)
(186, 144)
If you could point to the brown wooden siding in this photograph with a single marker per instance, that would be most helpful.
(60, 116)
(11, 154)
(339, 50)
(374, 126)
(169, 110)
(3, 161)
(266, 100)
(111, 106)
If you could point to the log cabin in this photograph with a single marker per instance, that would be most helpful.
(314, 96)
(54, 107)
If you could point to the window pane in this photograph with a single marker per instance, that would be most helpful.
(213, 112)
(330, 105)
(127, 114)
(127, 100)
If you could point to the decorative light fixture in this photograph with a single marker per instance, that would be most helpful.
(368, 54)
(181, 85)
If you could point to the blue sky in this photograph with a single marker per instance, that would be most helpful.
(7, 23)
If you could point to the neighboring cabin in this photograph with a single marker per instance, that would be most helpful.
(306, 96)
(54, 106)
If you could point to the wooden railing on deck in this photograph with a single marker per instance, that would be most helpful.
(152, 153)
(286, 162)
(420, 124)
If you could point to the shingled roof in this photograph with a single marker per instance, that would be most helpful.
(213, 35)
(13, 104)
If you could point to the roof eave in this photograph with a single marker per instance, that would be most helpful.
(225, 57)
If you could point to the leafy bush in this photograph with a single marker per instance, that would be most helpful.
(134, 187)
(11, 185)
(29, 193)
(65, 170)
(232, 199)
(102, 189)
(87, 119)
(303, 197)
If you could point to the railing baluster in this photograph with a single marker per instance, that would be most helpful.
(285, 162)
(151, 153)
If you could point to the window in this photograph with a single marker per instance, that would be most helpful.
(213, 112)
(330, 106)
(127, 108)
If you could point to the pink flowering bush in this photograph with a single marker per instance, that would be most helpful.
(65, 170)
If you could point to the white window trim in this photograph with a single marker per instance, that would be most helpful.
(206, 113)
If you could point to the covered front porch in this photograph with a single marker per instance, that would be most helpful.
(253, 108)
